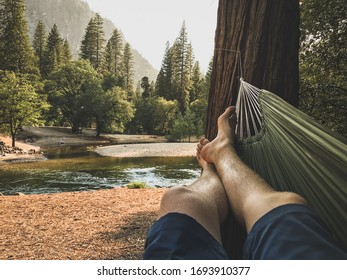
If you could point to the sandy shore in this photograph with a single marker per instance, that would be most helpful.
(149, 150)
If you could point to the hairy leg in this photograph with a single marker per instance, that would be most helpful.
(250, 197)
(205, 200)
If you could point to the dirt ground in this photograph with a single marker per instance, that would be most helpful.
(99, 225)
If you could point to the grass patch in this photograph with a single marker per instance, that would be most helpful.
(137, 185)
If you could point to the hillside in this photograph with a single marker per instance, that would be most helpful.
(72, 17)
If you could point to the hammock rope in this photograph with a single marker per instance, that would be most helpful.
(294, 153)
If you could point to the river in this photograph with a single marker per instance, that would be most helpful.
(77, 169)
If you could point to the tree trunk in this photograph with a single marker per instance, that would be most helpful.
(266, 34)
(13, 140)
(259, 41)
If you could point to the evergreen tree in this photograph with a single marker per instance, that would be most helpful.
(182, 66)
(66, 52)
(207, 78)
(54, 51)
(163, 85)
(114, 52)
(16, 53)
(39, 44)
(197, 83)
(145, 85)
(93, 43)
(174, 79)
(128, 68)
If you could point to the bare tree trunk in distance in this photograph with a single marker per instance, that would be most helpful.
(265, 35)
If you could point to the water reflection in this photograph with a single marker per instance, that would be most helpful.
(71, 169)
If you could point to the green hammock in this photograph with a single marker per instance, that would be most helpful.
(292, 152)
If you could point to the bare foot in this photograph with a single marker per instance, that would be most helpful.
(206, 167)
(201, 161)
(225, 137)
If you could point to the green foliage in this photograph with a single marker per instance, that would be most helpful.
(20, 104)
(164, 85)
(66, 51)
(111, 110)
(93, 43)
(56, 53)
(114, 55)
(186, 126)
(197, 84)
(155, 115)
(75, 89)
(68, 89)
(137, 185)
(128, 70)
(39, 44)
(199, 109)
(16, 53)
(175, 80)
(146, 87)
(323, 63)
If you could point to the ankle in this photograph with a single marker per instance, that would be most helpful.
(225, 148)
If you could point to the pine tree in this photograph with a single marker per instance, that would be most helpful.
(54, 51)
(16, 53)
(182, 67)
(128, 68)
(146, 87)
(66, 52)
(180, 53)
(39, 44)
(174, 80)
(114, 52)
(163, 85)
(93, 43)
(197, 83)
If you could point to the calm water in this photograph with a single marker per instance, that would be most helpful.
(73, 169)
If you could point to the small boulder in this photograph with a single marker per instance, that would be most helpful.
(19, 194)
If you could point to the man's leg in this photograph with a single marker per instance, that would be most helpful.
(190, 219)
(205, 200)
(250, 197)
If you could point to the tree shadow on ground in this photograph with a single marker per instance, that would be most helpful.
(128, 240)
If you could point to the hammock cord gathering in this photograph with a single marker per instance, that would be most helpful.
(294, 153)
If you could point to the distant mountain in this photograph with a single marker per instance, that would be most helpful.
(72, 17)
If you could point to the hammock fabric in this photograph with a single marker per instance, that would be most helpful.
(294, 153)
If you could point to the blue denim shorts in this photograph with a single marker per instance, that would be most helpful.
(287, 232)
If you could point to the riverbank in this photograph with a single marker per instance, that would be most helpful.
(111, 145)
(23, 151)
(98, 225)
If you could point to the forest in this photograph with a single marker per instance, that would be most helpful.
(43, 84)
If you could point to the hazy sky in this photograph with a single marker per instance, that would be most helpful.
(148, 24)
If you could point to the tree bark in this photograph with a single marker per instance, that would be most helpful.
(259, 41)
(265, 34)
